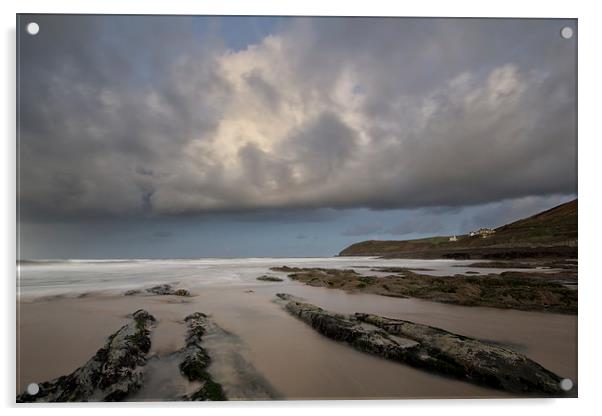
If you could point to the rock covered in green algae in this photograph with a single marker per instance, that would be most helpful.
(160, 290)
(432, 349)
(111, 374)
(469, 358)
(166, 289)
(540, 291)
(347, 329)
(196, 360)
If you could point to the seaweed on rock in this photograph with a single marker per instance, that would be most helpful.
(431, 348)
(196, 360)
(113, 373)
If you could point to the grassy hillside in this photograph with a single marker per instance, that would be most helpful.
(550, 233)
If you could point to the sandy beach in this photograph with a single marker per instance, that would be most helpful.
(262, 352)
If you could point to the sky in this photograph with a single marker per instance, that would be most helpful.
(208, 136)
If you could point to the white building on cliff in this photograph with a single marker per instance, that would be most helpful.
(482, 232)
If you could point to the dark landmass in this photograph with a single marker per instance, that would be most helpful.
(266, 278)
(195, 361)
(113, 373)
(432, 349)
(533, 291)
(549, 234)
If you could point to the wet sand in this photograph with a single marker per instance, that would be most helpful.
(264, 352)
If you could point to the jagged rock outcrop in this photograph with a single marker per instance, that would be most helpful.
(469, 358)
(114, 372)
(537, 291)
(166, 289)
(161, 290)
(344, 328)
(195, 361)
(266, 278)
(431, 349)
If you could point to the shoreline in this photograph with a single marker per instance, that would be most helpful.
(288, 346)
(261, 344)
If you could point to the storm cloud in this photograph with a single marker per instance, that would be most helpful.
(362, 230)
(158, 116)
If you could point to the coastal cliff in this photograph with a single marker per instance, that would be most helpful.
(548, 234)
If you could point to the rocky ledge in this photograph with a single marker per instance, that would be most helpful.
(195, 361)
(114, 372)
(266, 278)
(432, 349)
(530, 291)
(160, 290)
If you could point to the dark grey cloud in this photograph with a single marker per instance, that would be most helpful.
(162, 234)
(319, 149)
(156, 116)
(422, 224)
(362, 229)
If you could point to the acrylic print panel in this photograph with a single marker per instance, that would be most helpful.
(254, 208)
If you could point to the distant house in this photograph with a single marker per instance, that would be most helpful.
(454, 238)
(482, 232)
